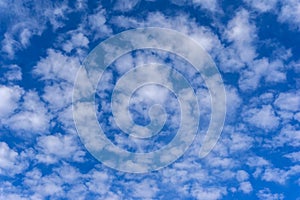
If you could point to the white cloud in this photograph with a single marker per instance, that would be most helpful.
(58, 95)
(275, 175)
(242, 33)
(233, 102)
(125, 6)
(43, 186)
(234, 141)
(96, 24)
(56, 14)
(271, 71)
(32, 115)
(14, 73)
(289, 101)
(297, 116)
(221, 162)
(263, 118)
(9, 45)
(54, 148)
(295, 156)
(145, 189)
(81, 4)
(11, 162)
(266, 194)
(182, 23)
(9, 191)
(242, 175)
(241, 54)
(7, 158)
(211, 5)
(28, 21)
(280, 176)
(10, 97)
(289, 135)
(58, 71)
(263, 5)
(57, 67)
(208, 193)
(67, 182)
(256, 161)
(286, 12)
(246, 187)
(290, 13)
(77, 40)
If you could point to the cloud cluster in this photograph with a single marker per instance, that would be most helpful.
(41, 155)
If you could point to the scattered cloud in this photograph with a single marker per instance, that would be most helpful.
(257, 153)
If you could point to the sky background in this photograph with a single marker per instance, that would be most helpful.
(256, 47)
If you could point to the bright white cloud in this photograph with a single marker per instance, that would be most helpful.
(10, 97)
(289, 135)
(11, 162)
(289, 101)
(78, 40)
(97, 24)
(57, 67)
(54, 148)
(29, 19)
(58, 96)
(242, 32)
(146, 189)
(263, 118)
(233, 102)
(32, 115)
(275, 175)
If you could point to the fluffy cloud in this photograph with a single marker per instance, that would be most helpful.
(55, 148)
(246, 187)
(295, 156)
(286, 12)
(13, 73)
(53, 171)
(266, 194)
(290, 13)
(96, 25)
(125, 5)
(31, 116)
(29, 19)
(263, 118)
(289, 101)
(208, 193)
(262, 5)
(206, 5)
(57, 67)
(11, 162)
(9, 100)
(77, 40)
(58, 96)
(289, 135)
(242, 33)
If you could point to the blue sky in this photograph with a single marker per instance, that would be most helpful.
(255, 46)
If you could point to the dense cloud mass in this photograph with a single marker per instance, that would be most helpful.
(255, 46)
